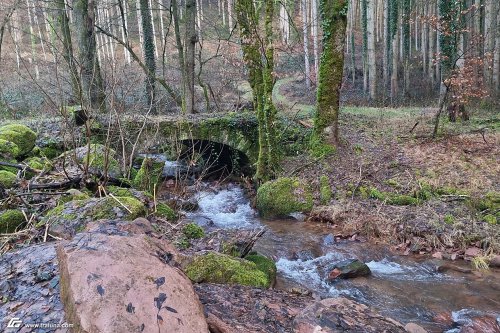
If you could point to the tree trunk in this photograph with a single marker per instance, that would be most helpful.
(93, 94)
(372, 67)
(180, 51)
(149, 51)
(334, 19)
(364, 29)
(306, 43)
(190, 40)
(394, 34)
(68, 54)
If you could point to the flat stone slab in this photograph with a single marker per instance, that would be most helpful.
(29, 289)
(335, 315)
(117, 283)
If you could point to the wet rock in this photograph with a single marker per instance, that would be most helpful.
(329, 239)
(414, 328)
(305, 255)
(348, 269)
(203, 222)
(241, 309)
(495, 261)
(29, 286)
(189, 205)
(333, 315)
(472, 321)
(114, 283)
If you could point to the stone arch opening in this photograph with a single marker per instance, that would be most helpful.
(214, 159)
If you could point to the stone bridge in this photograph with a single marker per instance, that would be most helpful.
(236, 130)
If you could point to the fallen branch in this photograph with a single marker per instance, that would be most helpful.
(19, 166)
(66, 184)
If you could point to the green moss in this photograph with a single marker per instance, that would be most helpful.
(449, 219)
(264, 264)
(388, 197)
(10, 220)
(220, 268)
(163, 210)
(284, 196)
(491, 219)
(8, 149)
(105, 209)
(193, 231)
(119, 191)
(149, 175)
(21, 135)
(99, 158)
(72, 196)
(325, 190)
(50, 152)
(7, 179)
(39, 163)
(319, 149)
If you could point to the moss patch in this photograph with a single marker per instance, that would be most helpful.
(164, 211)
(325, 191)
(220, 268)
(193, 231)
(10, 220)
(8, 149)
(99, 159)
(264, 264)
(284, 196)
(149, 175)
(7, 179)
(106, 208)
(21, 135)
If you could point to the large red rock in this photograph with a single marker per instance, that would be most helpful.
(340, 314)
(118, 283)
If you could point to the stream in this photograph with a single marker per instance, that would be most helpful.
(405, 288)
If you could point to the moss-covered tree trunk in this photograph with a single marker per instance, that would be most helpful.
(334, 21)
(190, 41)
(260, 65)
(93, 94)
(149, 51)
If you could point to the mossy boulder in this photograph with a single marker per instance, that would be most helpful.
(280, 197)
(8, 149)
(7, 179)
(10, 220)
(39, 163)
(213, 267)
(264, 264)
(107, 208)
(72, 195)
(66, 219)
(164, 211)
(148, 175)
(21, 135)
(99, 159)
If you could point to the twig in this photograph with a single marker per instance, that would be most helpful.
(111, 195)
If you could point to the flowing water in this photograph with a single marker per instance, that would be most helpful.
(404, 288)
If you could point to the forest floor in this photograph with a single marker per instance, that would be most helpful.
(391, 180)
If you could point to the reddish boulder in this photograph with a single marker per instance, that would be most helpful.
(117, 283)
